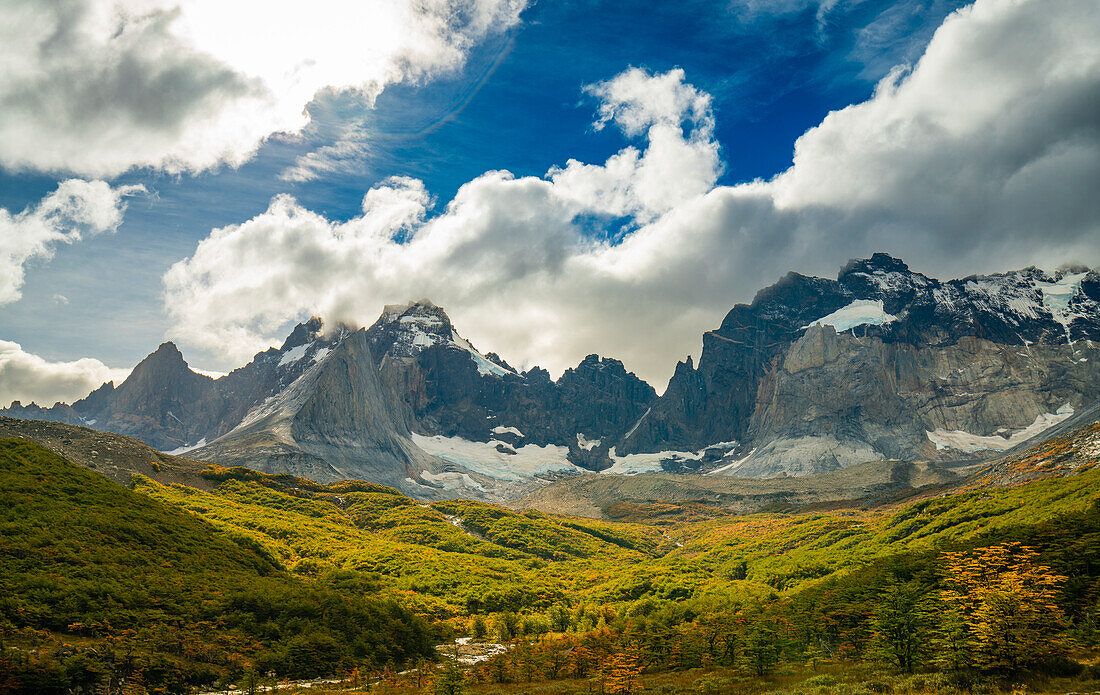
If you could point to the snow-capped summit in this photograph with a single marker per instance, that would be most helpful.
(885, 362)
(881, 296)
(406, 330)
(814, 374)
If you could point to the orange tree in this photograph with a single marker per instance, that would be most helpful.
(623, 672)
(1004, 604)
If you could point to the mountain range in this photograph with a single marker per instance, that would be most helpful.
(814, 375)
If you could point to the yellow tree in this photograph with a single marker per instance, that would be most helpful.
(1008, 604)
(623, 672)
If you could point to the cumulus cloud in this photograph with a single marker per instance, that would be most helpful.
(76, 209)
(984, 155)
(26, 377)
(636, 101)
(97, 87)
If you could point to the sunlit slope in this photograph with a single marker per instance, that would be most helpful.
(448, 557)
(82, 554)
(78, 547)
(458, 557)
(786, 551)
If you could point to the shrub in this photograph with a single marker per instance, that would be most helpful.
(711, 685)
(1061, 666)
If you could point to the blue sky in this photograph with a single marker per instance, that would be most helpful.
(772, 70)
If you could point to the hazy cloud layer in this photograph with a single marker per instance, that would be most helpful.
(983, 156)
(76, 209)
(27, 377)
(97, 87)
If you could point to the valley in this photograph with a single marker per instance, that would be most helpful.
(669, 577)
(810, 496)
(515, 347)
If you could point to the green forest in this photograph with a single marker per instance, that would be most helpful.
(262, 578)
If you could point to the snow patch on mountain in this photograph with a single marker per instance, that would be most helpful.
(586, 443)
(632, 464)
(1058, 296)
(966, 442)
(294, 354)
(484, 365)
(1030, 294)
(636, 424)
(484, 457)
(731, 468)
(500, 429)
(185, 449)
(730, 445)
(858, 313)
(451, 480)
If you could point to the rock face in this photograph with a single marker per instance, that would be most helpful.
(167, 405)
(884, 363)
(340, 403)
(332, 422)
(454, 391)
(814, 375)
(162, 403)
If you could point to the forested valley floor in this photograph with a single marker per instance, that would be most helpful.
(260, 579)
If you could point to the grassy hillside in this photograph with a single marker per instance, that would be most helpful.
(447, 558)
(460, 557)
(784, 551)
(257, 571)
(742, 594)
(115, 456)
(84, 556)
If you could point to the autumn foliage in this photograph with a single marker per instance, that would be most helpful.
(1008, 603)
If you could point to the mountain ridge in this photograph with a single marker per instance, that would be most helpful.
(813, 375)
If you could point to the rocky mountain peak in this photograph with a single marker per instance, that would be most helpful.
(166, 351)
(608, 375)
(97, 400)
(404, 331)
(162, 401)
(303, 333)
(879, 263)
(883, 277)
(595, 363)
(166, 362)
(537, 375)
(816, 373)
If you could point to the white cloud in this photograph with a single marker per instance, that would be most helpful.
(345, 155)
(77, 208)
(983, 156)
(98, 87)
(635, 101)
(27, 377)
